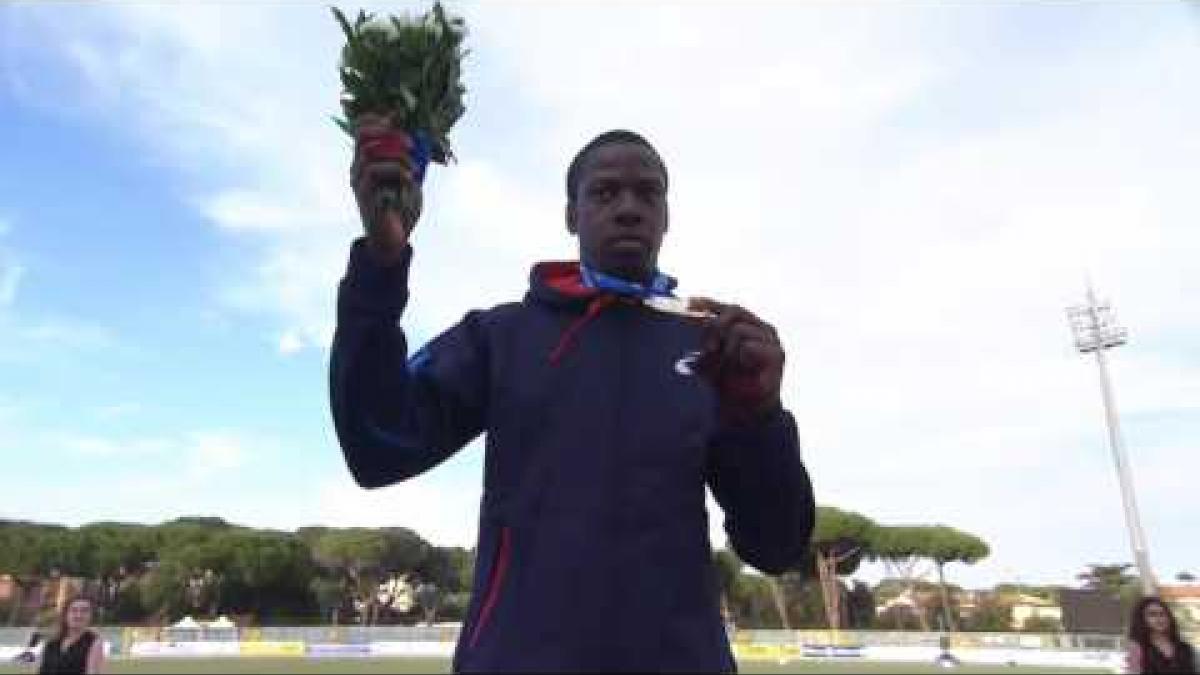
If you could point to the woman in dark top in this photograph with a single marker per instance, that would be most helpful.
(1154, 642)
(76, 649)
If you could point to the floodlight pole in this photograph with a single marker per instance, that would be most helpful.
(1095, 331)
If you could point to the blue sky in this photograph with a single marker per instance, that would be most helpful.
(910, 192)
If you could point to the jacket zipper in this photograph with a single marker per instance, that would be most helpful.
(495, 582)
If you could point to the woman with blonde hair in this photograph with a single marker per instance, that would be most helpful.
(76, 649)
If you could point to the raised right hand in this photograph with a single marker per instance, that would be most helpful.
(382, 163)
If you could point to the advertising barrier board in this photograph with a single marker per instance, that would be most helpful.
(265, 648)
(413, 648)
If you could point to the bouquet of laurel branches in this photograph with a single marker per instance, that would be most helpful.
(407, 71)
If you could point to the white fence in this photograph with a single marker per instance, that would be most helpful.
(1050, 650)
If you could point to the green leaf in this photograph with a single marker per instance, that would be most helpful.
(405, 95)
(341, 19)
(351, 79)
(343, 124)
(412, 73)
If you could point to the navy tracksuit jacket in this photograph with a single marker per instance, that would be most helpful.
(593, 551)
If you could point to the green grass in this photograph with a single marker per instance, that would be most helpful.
(257, 665)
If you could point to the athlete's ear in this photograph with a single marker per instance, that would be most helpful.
(572, 218)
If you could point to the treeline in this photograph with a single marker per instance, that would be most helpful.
(205, 566)
(152, 574)
(815, 595)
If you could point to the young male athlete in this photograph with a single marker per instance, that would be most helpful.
(605, 419)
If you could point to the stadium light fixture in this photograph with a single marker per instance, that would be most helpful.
(1096, 330)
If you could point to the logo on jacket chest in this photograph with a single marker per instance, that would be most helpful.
(686, 365)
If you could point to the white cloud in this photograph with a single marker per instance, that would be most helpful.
(24, 334)
(204, 455)
(11, 269)
(10, 275)
(117, 410)
(50, 341)
(290, 343)
(212, 453)
(242, 210)
(146, 477)
(907, 194)
(108, 448)
(67, 331)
